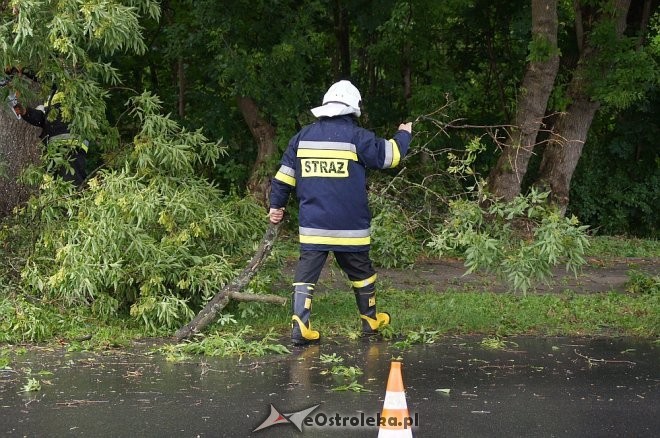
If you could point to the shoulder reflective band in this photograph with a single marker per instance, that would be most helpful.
(334, 237)
(60, 137)
(58, 97)
(287, 175)
(69, 139)
(327, 149)
(392, 154)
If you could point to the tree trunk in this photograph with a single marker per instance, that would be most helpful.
(181, 83)
(19, 147)
(407, 74)
(407, 69)
(264, 135)
(506, 177)
(644, 23)
(563, 151)
(342, 34)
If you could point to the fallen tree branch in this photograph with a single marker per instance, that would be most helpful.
(233, 290)
(271, 299)
(591, 361)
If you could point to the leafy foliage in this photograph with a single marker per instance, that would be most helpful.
(520, 241)
(423, 336)
(632, 69)
(639, 282)
(68, 45)
(32, 385)
(21, 320)
(152, 235)
(229, 344)
(621, 246)
(394, 244)
(621, 155)
(540, 49)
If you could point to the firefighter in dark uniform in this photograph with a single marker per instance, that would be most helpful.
(326, 164)
(56, 137)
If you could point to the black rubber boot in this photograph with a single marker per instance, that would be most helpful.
(372, 321)
(301, 330)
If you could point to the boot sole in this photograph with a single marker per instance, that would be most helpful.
(303, 342)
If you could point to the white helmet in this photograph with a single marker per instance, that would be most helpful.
(341, 98)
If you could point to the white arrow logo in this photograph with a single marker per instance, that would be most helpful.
(295, 418)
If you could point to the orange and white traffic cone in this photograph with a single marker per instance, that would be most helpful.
(395, 420)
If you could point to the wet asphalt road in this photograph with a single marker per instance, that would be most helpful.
(550, 387)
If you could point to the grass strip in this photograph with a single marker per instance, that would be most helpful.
(335, 315)
(456, 312)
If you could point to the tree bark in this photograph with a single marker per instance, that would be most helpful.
(264, 135)
(506, 177)
(407, 74)
(563, 151)
(407, 68)
(644, 23)
(579, 28)
(181, 83)
(19, 148)
(342, 34)
(209, 313)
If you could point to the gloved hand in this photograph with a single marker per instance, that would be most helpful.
(19, 109)
(275, 215)
(406, 127)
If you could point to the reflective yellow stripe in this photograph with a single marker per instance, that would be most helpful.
(68, 140)
(310, 286)
(308, 289)
(306, 332)
(325, 240)
(286, 179)
(363, 283)
(307, 231)
(396, 154)
(58, 97)
(324, 153)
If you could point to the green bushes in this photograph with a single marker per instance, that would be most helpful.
(394, 244)
(621, 155)
(520, 241)
(21, 320)
(642, 283)
(152, 236)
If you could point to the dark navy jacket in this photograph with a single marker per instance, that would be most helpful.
(326, 164)
(39, 117)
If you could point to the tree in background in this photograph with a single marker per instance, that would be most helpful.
(241, 70)
(19, 148)
(605, 67)
(245, 73)
(248, 72)
(506, 177)
(612, 70)
(67, 46)
(148, 234)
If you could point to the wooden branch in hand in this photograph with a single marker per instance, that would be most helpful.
(233, 290)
